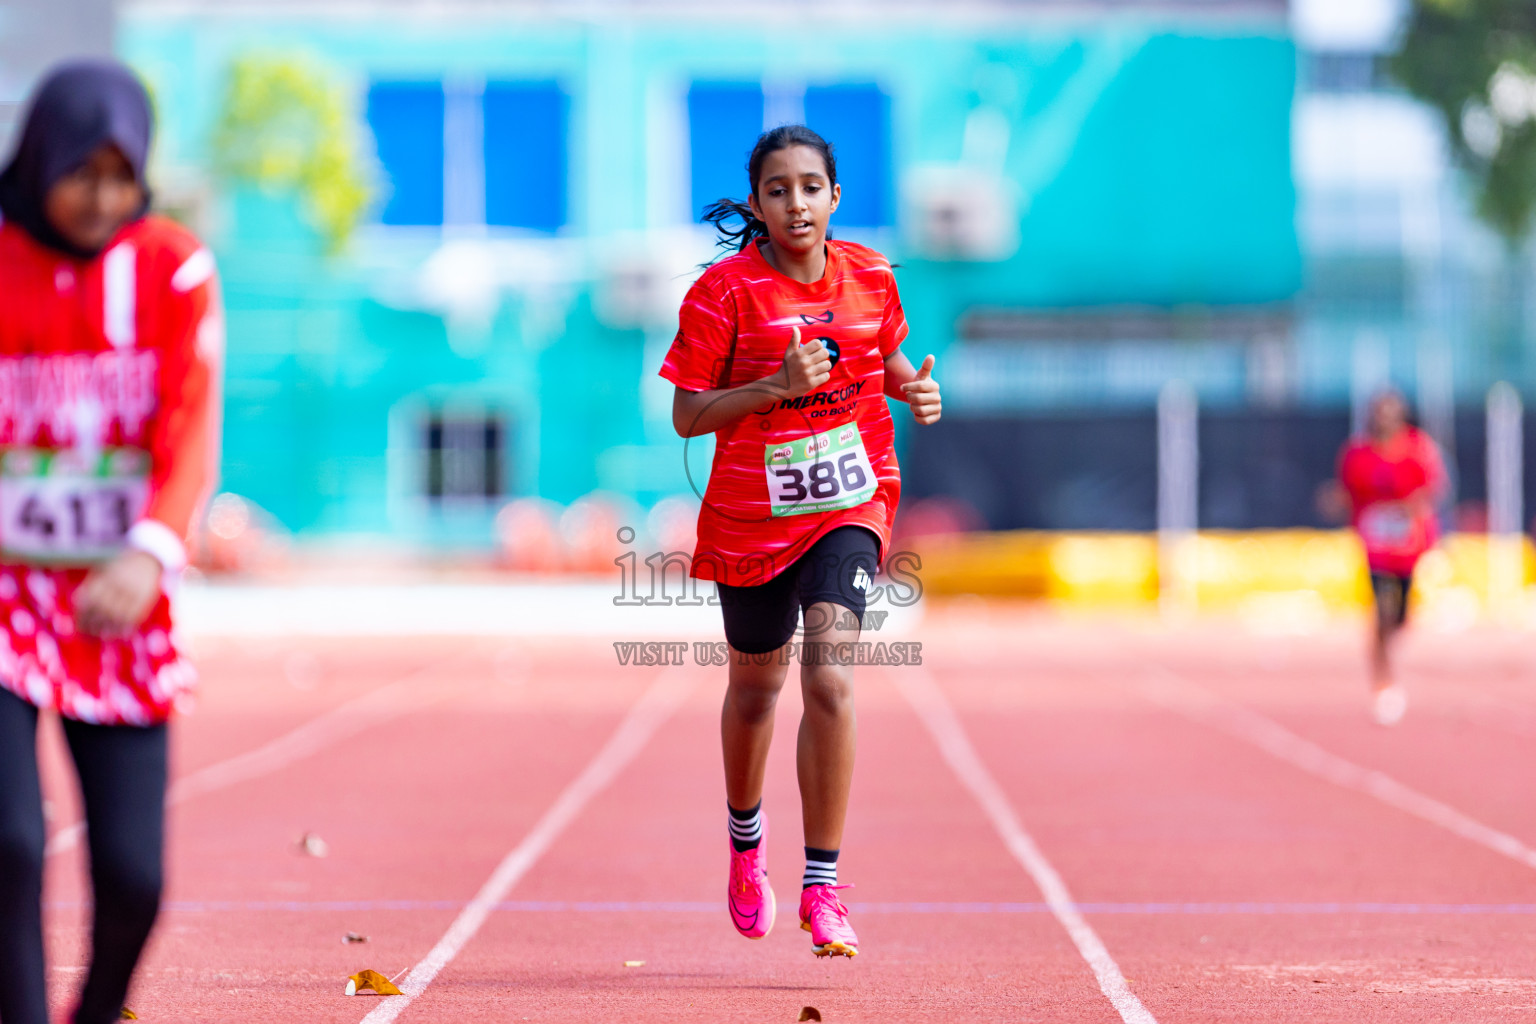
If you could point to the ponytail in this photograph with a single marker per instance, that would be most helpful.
(722, 211)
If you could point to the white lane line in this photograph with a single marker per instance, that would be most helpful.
(1198, 704)
(935, 712)
(340, 723)
(648, 714)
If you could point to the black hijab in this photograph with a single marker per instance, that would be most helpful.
(77, 108)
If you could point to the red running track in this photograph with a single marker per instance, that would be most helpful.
(1226, 882)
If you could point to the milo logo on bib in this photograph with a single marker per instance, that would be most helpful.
(819, 473)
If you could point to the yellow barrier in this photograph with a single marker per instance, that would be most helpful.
(1325, 568)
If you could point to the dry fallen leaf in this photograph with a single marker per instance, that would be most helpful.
(127, 1014)
(371, 981)
(634, 963)
(809, 1013)
(313, 846)
(352, 937)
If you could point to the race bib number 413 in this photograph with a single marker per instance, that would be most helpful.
(66, 507)
(819, 473)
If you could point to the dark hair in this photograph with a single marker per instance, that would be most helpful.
(721, 211)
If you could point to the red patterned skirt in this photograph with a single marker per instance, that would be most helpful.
(136, 679)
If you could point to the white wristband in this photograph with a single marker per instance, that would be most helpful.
(160, 541)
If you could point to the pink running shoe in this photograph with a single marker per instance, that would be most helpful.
(824, 916)
(751, 898)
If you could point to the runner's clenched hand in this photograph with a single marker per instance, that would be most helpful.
(806, 367)
(117, 596)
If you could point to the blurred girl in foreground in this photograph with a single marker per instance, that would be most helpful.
(1391, 480)
(109, 341)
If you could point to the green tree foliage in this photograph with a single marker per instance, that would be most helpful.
(287, 126)
(1474, 61)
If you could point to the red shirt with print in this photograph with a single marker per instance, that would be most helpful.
(769, 499)
(109, 367)
(1378, 478)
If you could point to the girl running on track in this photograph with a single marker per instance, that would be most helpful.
(1391, 479)
(786, 352)
(109, 341)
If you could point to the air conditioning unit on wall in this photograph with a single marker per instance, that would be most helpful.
(632, 292)
(958, 212)
(641, 280)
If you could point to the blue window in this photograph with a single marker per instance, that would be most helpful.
(525, 155)
(856, 119)
(724, 120)
(407, 123)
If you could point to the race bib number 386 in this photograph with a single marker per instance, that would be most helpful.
(819, 473)
(67, 507)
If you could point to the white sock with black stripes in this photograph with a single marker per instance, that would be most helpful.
(746, 828)
(820, 867)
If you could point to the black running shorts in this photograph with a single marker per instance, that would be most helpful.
(839, 569)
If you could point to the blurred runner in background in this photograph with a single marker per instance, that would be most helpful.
(1389, 482)
(110, 339)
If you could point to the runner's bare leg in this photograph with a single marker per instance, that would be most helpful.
(825, 752)
(746, 723)
(1381, 641)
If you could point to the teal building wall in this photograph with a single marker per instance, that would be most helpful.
(1149, 160)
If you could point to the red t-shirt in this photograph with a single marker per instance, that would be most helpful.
(1376, 478)
(786, 474)
(109, 417)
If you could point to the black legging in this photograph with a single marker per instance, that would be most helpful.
(122, 773)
